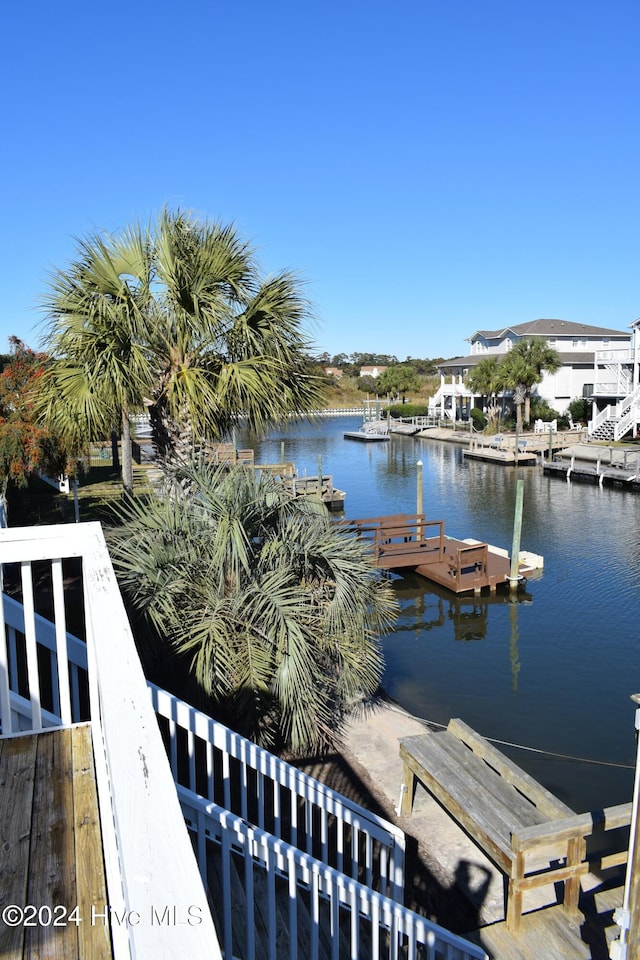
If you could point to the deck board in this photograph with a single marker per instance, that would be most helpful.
(52, 846)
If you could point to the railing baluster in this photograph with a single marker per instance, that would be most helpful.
(293, 906)
(226, 866)
(62, 654)
(271, 904)
(30, 641)
(251, 904)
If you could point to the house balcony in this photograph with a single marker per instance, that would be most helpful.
(133, 825)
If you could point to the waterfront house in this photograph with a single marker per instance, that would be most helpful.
(583, 350)
(132, 825)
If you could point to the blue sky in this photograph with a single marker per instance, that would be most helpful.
(429, 167)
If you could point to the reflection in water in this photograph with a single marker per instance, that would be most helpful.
(555, 669)
(514, 655)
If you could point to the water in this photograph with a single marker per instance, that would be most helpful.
(556, 669)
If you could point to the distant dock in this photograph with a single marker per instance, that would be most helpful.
(595, 464)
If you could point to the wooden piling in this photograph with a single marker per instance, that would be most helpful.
(517, 531)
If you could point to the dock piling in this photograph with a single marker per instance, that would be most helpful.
(514, 576)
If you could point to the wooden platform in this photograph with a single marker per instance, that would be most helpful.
(534, 838)
(51, 845)
(594, 473)
(525, 458)
(402, 541)
(552, 935)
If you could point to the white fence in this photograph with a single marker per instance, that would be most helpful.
(322, 903)
(221, 766)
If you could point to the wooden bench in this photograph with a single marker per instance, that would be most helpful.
(470, 559)
(532, 836)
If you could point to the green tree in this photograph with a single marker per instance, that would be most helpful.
(99, 311)
(277, 610)
(487, 380)
(398, 379)
(524, 367)
(175, 320)
(224, 341)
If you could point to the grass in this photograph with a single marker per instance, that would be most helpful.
(99, 492)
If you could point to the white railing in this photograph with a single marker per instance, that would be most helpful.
(49, 677)
(214, 762)
(149, 860)
(628, 412)
(332, 913)
(622, 355)
(601, 418)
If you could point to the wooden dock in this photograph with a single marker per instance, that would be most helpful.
(51, 845)
(589, 472)
(538, 842)
(403, 541)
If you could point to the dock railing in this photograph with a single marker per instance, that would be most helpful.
(149, 860)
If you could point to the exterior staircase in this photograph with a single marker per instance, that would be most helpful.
(616, 421)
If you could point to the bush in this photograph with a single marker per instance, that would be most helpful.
(409, 409)
(478, 418)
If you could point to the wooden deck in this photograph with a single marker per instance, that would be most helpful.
(51, 845)
(403, 541)
(552, 935)
(594, 473)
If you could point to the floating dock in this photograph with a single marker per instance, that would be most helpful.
(601, 465)
(410, 541)
(370, 432)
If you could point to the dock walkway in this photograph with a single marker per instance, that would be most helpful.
(402, 541)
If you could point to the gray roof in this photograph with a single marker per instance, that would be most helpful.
(551, 328)
(568, 359)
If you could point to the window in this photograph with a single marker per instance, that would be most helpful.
(587, 390)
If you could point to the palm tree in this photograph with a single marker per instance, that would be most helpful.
(177, 321)
(99, 367)
(277, 610)
(524, 367)
(487, 380)
(225, 343)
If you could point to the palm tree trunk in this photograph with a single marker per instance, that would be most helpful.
(127, 459)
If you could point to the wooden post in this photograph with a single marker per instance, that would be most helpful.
(550, 445)
(319, 474)
(419, 487)
(282, 451)
(627, 947)
(517, 530)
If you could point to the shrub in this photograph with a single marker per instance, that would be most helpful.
(409, 409)
(478, 418)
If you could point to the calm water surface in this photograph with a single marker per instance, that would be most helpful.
(553, 671)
